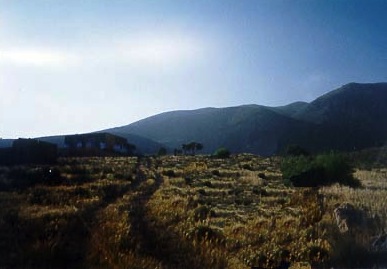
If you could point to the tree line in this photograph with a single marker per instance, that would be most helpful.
(190, 148)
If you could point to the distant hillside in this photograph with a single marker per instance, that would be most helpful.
(143, 145)
(347, 104)
(290, 110)
(351, 117)
(250, 128)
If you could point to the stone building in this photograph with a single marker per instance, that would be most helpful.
(97, 144)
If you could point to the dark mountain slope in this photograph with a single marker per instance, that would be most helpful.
(291, 109)
(351, 102)
(250, 128)
(351, 117)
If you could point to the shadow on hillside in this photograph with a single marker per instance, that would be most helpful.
(48, 238)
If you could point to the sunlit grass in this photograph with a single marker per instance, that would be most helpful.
(181, 212)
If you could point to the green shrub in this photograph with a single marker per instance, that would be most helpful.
(322, 170)
(337, 169)
(292, 166)
(222, 153)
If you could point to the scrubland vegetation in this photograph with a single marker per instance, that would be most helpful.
(181, 212)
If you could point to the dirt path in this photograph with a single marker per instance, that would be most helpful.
(144, 236)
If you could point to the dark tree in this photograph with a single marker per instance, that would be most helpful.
(199, 146)
(222, 153)
(192, 147)
(184, 147)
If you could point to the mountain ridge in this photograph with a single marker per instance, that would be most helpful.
(346, 118)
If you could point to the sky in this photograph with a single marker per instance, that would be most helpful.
(78, 66)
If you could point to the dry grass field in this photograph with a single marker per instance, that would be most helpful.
(180, 212)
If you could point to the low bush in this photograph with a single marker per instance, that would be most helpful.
(321, 170)
(222, 153)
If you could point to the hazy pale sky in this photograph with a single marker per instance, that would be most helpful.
(79, 66)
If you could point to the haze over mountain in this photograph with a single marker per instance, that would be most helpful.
(348, 118)
(351, 117)
(72, 66)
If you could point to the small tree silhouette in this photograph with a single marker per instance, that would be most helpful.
(184, 147)
(192, 147)
(199, 146)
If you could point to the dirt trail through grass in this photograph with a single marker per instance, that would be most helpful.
(144, 235)
(122, 236)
